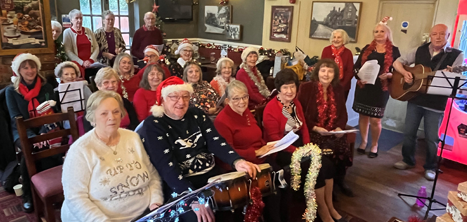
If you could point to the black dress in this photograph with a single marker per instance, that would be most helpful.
(371, 99)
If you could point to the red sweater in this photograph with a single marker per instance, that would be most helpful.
(166, 71)
(131, 86)
(255, 97)
(241, 133)
(274, 123)
(143, 38)
(143, 101)
(307, 96)
(347, 59)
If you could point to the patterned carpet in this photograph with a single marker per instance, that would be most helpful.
(10, 206)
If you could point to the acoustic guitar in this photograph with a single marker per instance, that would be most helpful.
(422, 77)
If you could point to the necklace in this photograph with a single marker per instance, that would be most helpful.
(111, 147)
(286, 107)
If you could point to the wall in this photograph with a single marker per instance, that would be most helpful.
(248, 13)
(446, 13)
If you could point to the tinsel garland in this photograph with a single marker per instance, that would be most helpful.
(315, 152)
(327, 111)
(255, 209)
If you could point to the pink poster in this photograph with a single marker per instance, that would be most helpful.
(455, 147)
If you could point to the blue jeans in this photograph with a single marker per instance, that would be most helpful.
(431, 123)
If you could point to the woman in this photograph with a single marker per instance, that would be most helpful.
(152, 56)
(224, 75)
(107, 79)
(204, 96)
(80, 44)
(370, 99)
(29, 90)
(252, 78)
(95, 191)
(181, 142)
(342, 56)
(145, 96)
(129, 81)
(109, 39)
(68, 72)
(60, 55)
(324, 108)
(185, 50)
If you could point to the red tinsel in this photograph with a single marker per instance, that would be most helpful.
(254, 210)
(388, 59)
(414, 219)
(327, 111)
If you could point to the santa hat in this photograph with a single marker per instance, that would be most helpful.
(170, 85)
(184, 44)
(385, 20)
(152, 48)
(67, 63)
(247, 51)
(20, 58)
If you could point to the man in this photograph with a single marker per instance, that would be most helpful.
(438, 55)
(151, 56)
(149, 34)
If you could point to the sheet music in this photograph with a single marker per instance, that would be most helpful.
(97, 65)
(441, 86)
(74, 96)
(282, 144)
(369, 72)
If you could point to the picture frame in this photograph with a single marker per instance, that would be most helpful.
(233, 31)
(328, 16)
(281, 23)
(26, 28)
(216, 17)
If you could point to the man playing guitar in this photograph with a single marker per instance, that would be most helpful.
(437, 55)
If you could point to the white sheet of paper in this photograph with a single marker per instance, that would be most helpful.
(282, 144)
(77, 96)
(343, 131)
(369, 72)
(437, 83)
(97, 65)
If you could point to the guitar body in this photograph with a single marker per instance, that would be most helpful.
(403, 91)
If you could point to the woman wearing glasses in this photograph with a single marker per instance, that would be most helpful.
(110, 39)
(185, 50)
(204, 96)
(152, 56)
(181, 142)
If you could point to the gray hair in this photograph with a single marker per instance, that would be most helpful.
(221, 63)
(119, 59)
(106, 13)
(345, 36)
(72, 14)
(96, 99)
(235, 85)
(56, 24)
(149, 13)
(105, 73)
(187, 67)
(144, 81)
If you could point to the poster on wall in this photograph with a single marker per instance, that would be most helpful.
(281, 23)
(233, 31)
(216, 17)
(22, 26)
(329, 16)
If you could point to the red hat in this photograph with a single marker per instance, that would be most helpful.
(184, 44)
(170, 85)
(152, 48)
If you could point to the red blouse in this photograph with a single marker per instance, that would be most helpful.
(83, 45)
(125, 122)
(347, 59)
(143, 101)
(130, 85)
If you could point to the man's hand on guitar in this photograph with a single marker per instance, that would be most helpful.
(385, 76)
(408, 78)
(203, 212)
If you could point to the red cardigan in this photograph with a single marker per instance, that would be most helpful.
(307, 96)
(143, 101)
(131, 86)
(253, 91)
(347, 59)
(241, 132)
(274, 123)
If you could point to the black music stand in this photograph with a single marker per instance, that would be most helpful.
(80, 100)
(453, 96)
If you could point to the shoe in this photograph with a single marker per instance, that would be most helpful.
(339, 182)
(401, 165)
(372, 155)
(360, 151)
(341, 220)
(27, 206)
(430, 175)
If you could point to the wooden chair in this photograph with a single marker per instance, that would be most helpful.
(46, 185)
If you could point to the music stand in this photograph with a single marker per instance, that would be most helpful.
(453, 96)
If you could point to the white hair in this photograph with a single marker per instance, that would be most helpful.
(149, 13)
(72, 14)
(57, 25)
(345, 36)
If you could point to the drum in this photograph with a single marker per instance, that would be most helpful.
(230, 192)
(264, 180)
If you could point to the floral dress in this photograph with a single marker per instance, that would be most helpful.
(204, 96)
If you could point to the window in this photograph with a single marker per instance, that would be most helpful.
(92, 15)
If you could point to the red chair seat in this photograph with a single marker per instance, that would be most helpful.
(48, 182)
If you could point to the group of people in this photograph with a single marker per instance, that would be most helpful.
(186, 135)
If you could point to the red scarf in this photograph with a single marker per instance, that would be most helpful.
(327, 111)
(30, 96)
(338, 59)
(388, 59)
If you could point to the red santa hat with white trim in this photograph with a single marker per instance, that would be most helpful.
(152, 48)
(20, 58)
(170, 85)
(184, 44)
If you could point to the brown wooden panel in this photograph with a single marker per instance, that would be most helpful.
(45, 58)
(47, 66)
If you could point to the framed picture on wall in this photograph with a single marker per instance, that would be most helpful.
(25, 27)
(328, 16)
(233, 31)
(216, 17)
(281, 23)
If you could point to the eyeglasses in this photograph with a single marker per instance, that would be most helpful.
(151, 56)
(176, 98)
(237, 99)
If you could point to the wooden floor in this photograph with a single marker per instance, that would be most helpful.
(376, 184)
